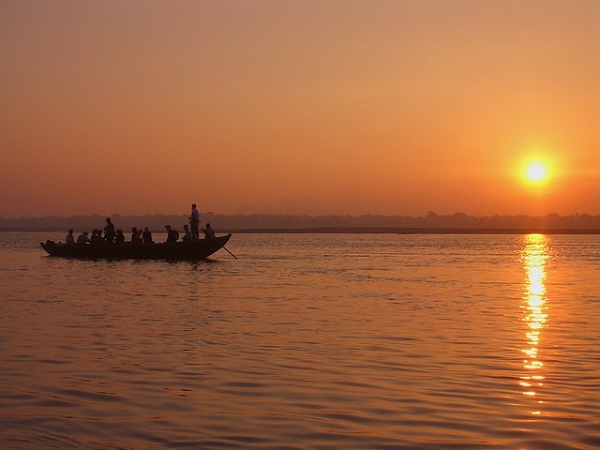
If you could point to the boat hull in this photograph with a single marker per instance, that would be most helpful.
(190, 250)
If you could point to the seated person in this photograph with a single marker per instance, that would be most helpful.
(209, 233)
(83, 238)
(147, 236)
(172, 235)
(70, 239)
(188, 234)
(136, 236)
(97, 237)
(119, 237)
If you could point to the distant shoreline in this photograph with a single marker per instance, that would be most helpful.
(363, 230)
(431, 223)
(379, 230)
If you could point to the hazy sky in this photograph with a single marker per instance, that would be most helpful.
(303, 107)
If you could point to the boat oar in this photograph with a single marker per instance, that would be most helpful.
(230, 252)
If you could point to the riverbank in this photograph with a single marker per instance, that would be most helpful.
(360, 230)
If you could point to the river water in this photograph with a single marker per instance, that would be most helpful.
(306, 341)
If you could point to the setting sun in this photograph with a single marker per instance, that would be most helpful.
(536, 171)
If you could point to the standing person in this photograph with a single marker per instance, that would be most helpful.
(70, 239)
(109, 231)
(195, 222)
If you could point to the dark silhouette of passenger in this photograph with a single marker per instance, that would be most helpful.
(119, 237)
(70, 239)
(109, 231)
(136, 236)
(147, 236)
(83, 238)
(172, 235)
(209, 233)
(97, 237)
(187, 236)
(195, 222)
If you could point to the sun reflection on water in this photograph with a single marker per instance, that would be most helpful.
(534, 255)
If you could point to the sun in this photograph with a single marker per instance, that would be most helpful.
(536, 172)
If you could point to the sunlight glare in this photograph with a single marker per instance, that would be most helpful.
(536, 171)
(534, 255)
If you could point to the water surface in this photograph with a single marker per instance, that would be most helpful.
(306, 341)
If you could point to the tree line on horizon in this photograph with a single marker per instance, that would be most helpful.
(223, 222)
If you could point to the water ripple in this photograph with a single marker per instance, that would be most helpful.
(379, 342)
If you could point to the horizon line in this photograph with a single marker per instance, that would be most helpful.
(365, 230)
(429, 214)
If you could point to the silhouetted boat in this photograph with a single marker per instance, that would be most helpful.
(191, 250)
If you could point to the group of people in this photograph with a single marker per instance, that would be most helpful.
(110, 235)
(188, 235)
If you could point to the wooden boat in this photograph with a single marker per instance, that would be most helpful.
(190, 250)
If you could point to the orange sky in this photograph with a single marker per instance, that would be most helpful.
(302, 107)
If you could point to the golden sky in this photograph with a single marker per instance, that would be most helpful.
(299, 107)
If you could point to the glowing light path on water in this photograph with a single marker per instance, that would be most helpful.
(534, 256)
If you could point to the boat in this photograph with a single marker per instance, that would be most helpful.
(182, 250)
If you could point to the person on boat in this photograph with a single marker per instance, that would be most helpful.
(70, 239)
(119, 237)
(83, 238)
(172, 235)
(195, 222)
(187, 235)
(136, 236)
(147, 236)
(209, 232)
(109, 231)
(97, 237)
